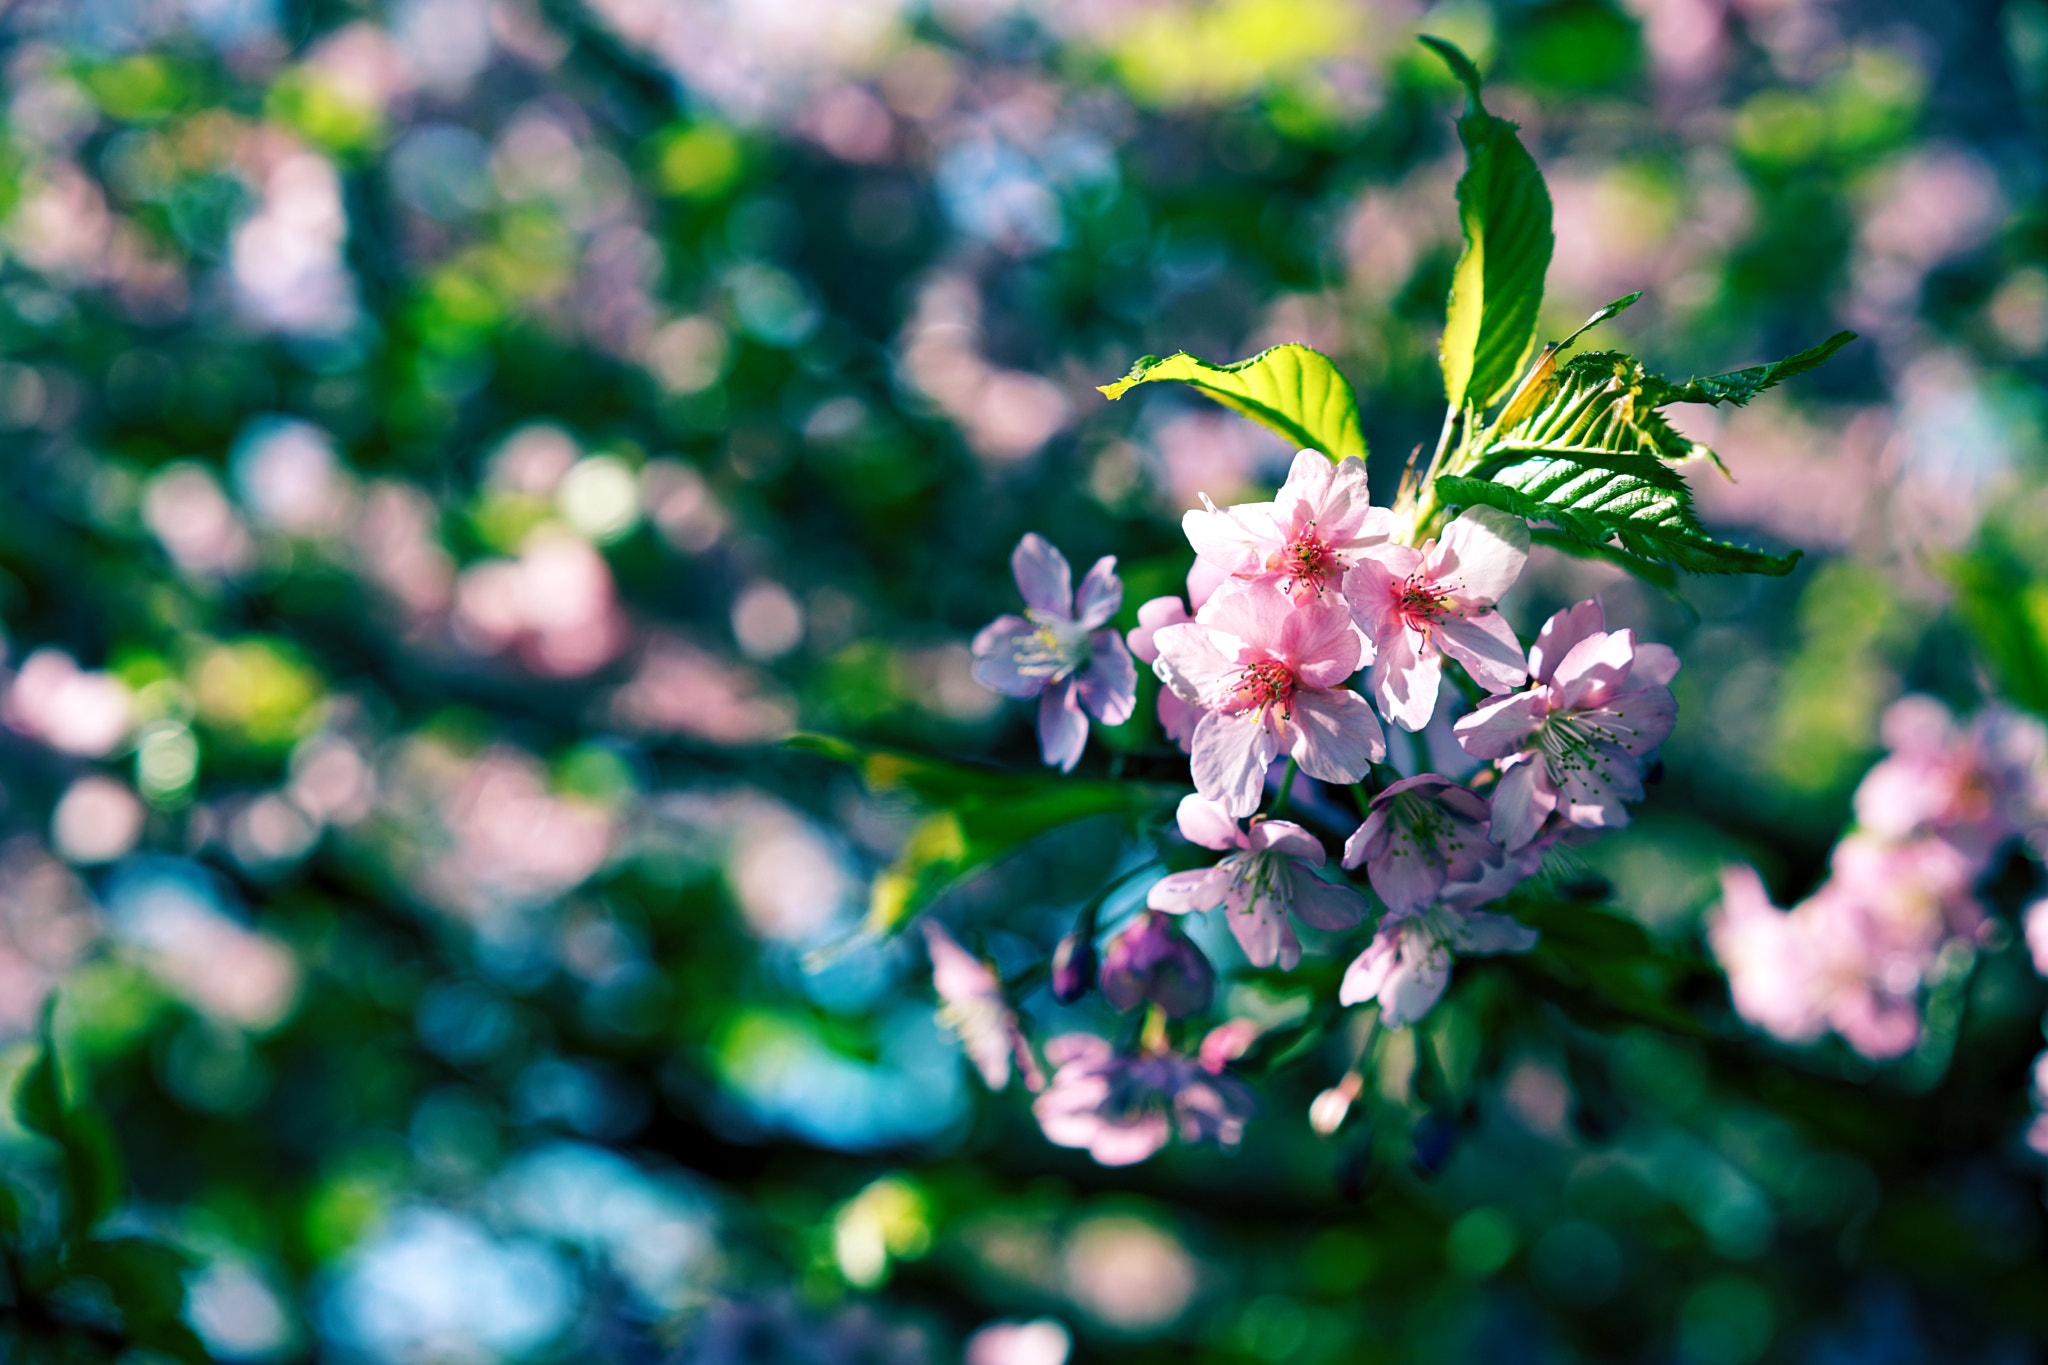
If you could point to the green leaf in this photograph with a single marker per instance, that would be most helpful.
(2003, 603)
(1497, 288)
(1292, 389)
(93, 1180)
(980, 815)
(1615, 498)
(146, 1278)
(1739, 386)
(1650, 571)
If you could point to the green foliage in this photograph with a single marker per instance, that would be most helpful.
(1583, 444)
(2002, 598)
(143, 1278)
(93, 1181)
(1739, 386)
(978, 816)
(1292, 389)
(1497, 288)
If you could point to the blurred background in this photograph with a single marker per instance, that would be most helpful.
(449, 445)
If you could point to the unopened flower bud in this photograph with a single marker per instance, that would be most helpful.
(1073, 968)
(1152, 960)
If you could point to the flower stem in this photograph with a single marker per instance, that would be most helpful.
(1286, 788)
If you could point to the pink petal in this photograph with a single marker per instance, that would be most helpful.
(1417, 982)
(1062, 729)
(1043, 576)
(997, 647)
(1369, 971)
(1406, 677)
(1655, 666)
(1257, 613)
(1319, 642)
(1300, 500)
(1347, 518)
(1336, 736)
(1561, 632)
(2037, 935)
(1190, 892)
(1127, 1141)
(1178, 719)
(1635, 722)
(1502, 726)
(1109, 685)
(1208, 824)
(1480, 556)
(1100, 596)
(1592, 791)
(1369, 839)
(1223, 540)
(1522, 801)
(1229, 761)
(1287, 839)
(1369, 591)
(1153, 617)
(1204, 577)
(1262, 931)
(1324, 905)
(1487, 646)
(1594, 670)
(1190, 663)
(1407, 878)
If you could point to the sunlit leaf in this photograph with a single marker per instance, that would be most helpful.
(1497, 288)
(1292, 389)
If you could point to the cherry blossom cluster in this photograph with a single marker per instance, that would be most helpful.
(1900, 898)
(1290, 603)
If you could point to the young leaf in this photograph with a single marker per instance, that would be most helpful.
(1497, 289)
(1610, 497)
(1739, 386)
(1292, 389)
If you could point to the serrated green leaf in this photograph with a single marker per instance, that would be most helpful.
(1650, 571)
(1592, 405)
(1292, 389)
(1739, 386)
(1617, 499)
(1497, 289)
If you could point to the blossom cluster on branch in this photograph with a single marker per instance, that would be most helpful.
(1288, 603)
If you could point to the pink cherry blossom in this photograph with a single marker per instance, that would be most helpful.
(2036, 921)
(1975, 785)
(1122, 1107)
(1269, 873)
(1177, 717)
(1419, 834)
(1420, 605)
(1577, 741)
(1061, 650)
(1152, 960)
(1269, 674)
(1305, 539)
(1408, 963)
(1797, 974)
(972, 1005)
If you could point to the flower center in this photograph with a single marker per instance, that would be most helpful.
(1265, 683)
(1054, 650)
(1420, 604)
(1307, 559)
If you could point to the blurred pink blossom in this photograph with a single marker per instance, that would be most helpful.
(55, 702)
(680, 689)
(98, 820)
(397, 546)
(286, 259)
(199, 528)
(48, 923)
(1975, 785)
(1006, 415)
(554, 606)
(972, 1005)
(1123, 1107)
